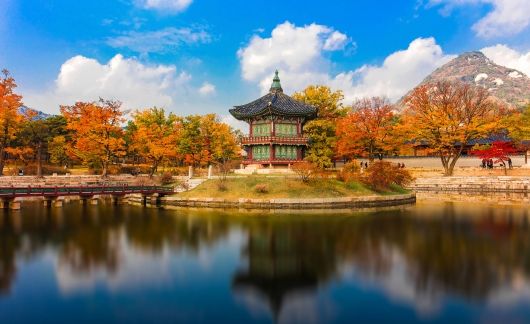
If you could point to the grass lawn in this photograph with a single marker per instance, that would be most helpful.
(281, 187)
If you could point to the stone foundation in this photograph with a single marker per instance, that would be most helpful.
(502, 184)
(287, 203)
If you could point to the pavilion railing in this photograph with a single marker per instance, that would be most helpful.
(274, 161)
(274, 139)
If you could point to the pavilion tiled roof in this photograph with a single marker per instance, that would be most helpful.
(275, 102)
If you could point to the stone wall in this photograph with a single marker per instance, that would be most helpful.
(434, 162)
(472, 184)
(288, 203)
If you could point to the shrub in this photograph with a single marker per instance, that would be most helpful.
(381, 175)
(113, 170)
(166, 178)
(184, 185)
(351, 171)
(134, 169)
(304, 170)
(261, 188)
(221, 186)
(144, 181)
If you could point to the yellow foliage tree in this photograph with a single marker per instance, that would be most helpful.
(155, 135)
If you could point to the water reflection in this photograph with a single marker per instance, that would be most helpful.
(418, 256)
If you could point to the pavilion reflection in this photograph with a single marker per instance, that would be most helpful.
(473, 252)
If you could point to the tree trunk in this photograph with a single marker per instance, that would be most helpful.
(39, 160)
(154, 168)
(451, 165)
(2, 160)
(104, 172)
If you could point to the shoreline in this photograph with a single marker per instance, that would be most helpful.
(291, 203)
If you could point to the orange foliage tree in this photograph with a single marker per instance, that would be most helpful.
(448, 115)
(97, 132)
(366, 130)
(205, 140)
(155, 136)
(10, 117)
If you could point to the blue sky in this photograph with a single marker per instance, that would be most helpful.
(199, 56)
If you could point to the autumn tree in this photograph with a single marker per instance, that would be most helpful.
(499, 152)
(366, 130)
(321, 131)
(57, 149)
(36, 132)
(155, 136)
(328, 102)
(322, 141)
(518, 127)
(10, 117)
(98, 136)
(190, 144)
(224, 147)
(205, 140)
(447, 116)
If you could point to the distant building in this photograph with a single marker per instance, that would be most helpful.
(275, 127)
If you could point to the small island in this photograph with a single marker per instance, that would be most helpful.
(287, 192)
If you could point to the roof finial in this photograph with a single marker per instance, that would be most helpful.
(276, 86)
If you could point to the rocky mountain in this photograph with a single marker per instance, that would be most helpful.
(507, 84)
(39, 114)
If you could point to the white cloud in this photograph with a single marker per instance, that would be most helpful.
(400, 71)
(165, 5)
(160, 41)
(507, 17)
(506, 56)
(295, 51)
(125, 79)
(207, 89)
(336, 41)
(298, 53)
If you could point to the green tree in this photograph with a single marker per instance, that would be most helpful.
(322, 142)
(321, 131)
(37, 132)
(57, 149)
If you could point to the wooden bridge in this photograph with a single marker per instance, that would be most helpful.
(55, 195)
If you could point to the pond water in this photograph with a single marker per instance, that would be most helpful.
(432, 262)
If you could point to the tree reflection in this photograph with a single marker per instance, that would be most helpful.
(152, 232)
(470, 252)
(9, 243)
(446, 251)
(89, 239)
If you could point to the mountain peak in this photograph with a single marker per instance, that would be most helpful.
(508, 85)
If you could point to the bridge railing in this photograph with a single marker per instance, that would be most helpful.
(81, 190)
